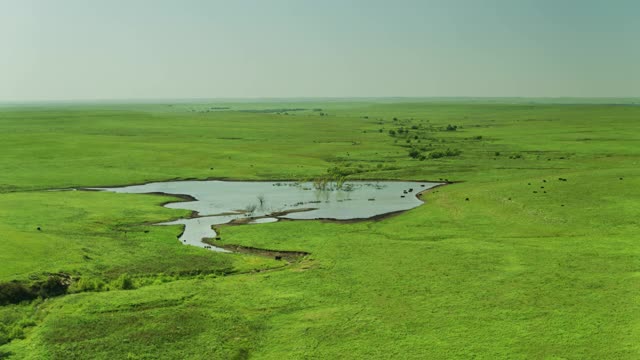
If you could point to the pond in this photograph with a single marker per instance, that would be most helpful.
(255, 202)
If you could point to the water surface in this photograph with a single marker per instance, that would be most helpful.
(255, 202)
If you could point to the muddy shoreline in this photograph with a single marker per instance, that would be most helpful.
(289, 256)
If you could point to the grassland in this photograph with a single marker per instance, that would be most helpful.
(509, 262)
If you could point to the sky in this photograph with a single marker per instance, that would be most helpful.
(188, 49)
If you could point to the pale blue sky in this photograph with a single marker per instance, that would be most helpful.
(137, 49)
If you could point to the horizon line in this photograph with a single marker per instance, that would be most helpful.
(302, 98)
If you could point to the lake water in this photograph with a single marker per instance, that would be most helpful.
(253, 202)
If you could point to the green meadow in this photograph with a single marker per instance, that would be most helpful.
(532, 251)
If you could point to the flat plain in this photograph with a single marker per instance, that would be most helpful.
(532, 251)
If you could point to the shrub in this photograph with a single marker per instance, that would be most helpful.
(452, 127)
(4, 334)
(87, 284)
(15, 292)
(452, 152)
(436, 154)
(55, 285)
(446, 153)
(17, 332)
(123, 282)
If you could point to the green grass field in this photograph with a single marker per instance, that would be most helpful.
(529, 267)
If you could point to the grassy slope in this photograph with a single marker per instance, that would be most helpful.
(508, 274)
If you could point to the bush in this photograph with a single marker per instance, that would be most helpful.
(446, 153)
(87, 284)
(124, 282)
(15, 292)
(17, 332)
(452, 152)
(4, 334)
(436, 154)
(414, 153)
(452, 127)
(55, 285)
